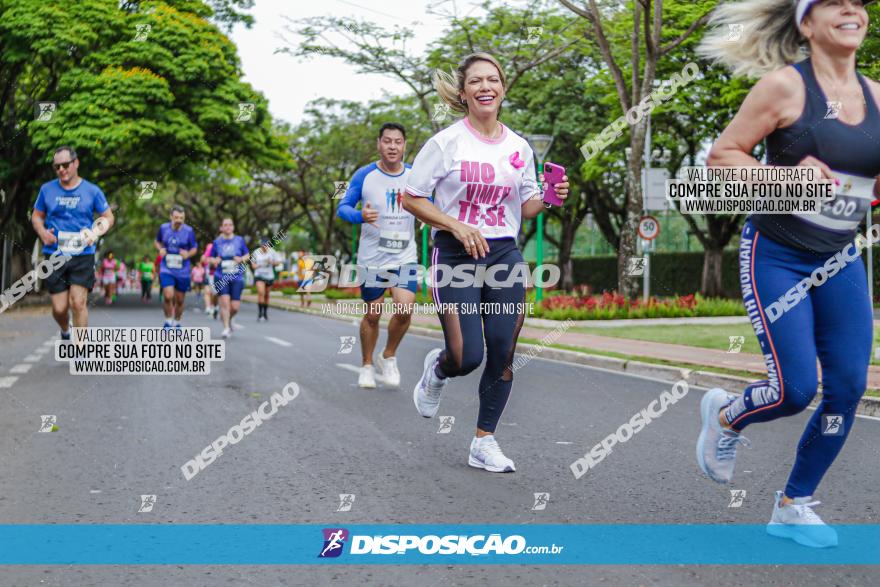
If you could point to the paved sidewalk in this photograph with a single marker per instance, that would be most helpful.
(538, 329)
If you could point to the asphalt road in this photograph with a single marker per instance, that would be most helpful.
(123, 436)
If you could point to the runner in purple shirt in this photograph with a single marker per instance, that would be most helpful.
(229, 256)
(176, 243)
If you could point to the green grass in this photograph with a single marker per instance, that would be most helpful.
(706, 336)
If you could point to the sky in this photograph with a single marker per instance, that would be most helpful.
(290, 83)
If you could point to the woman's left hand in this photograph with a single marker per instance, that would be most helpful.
(561, 187)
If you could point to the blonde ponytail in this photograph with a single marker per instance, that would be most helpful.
(754, 37)
(449, 84)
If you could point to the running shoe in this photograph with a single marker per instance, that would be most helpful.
(716, 446)
(426, 394)
(178, 326)
(226, 333)
(366, 377)
(65, 335)
(235, 325)
(799, 522)
(390, 372)
(167, 326)
(486, 454)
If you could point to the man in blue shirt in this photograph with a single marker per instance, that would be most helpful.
(64, 219)
(386, 252)
(176, 243)
(228, 254)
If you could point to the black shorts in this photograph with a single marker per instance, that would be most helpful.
(268, 282)
(79, 270)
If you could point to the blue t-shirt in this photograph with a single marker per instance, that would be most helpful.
(226, 249)
(68, 212)
(174, 241)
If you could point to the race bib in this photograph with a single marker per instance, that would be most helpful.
(228, 267)
(264, 272)
(849, 207)
(70, 243)
(393, 241)
(173, 261)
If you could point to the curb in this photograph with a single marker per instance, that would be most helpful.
(868, 406)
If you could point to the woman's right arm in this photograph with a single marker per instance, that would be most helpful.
(425, 210)
(430, 167)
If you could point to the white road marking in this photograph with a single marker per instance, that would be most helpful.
(349, 367)
(31, 358)
(21, 368)
(7, 381)
(278, 341)
(563, 442)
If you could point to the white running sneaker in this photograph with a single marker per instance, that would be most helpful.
(426, 394)
(235, 325)
(366, 378)
(390, 372)
(486, 454)
(226, 333)
(798, 521)
(716, 446)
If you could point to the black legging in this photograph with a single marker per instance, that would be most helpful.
(464, 330)
(146, 289)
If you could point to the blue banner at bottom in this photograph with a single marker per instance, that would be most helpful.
(246, 544)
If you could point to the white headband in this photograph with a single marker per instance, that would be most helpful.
(802, 7)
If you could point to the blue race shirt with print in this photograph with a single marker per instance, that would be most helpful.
(68, 212)
(174, 241)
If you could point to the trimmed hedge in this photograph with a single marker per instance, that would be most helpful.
(672, 274)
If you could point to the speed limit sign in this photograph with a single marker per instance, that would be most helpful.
(649, 228)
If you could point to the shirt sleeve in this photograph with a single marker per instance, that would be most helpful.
(159, 236)
(529, 186)
(40, 204)
(193, 244)
(347, 207)
(243, 248)
(427, 169)
(100, 201)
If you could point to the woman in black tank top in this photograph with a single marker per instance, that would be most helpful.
(803, 281)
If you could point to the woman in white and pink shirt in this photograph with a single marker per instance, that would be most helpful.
(482, 176)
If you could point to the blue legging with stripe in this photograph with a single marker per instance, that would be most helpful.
(466, 333)
(831, 321)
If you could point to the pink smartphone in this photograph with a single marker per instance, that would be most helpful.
(553, 174)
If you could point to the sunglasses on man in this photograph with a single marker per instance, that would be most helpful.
(64, 165)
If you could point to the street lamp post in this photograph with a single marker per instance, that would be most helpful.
(541, 146)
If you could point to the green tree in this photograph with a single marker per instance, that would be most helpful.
(145, 91)
(633, 41)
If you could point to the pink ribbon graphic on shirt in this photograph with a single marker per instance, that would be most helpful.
(516, 161)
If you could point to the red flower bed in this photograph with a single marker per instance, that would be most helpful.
(582, 305)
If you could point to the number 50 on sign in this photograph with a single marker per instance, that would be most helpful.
(649, 228)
